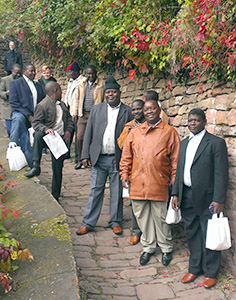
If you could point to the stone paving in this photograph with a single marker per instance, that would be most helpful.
(108, 267)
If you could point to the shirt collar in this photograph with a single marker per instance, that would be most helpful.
(27, 79)
(198, 135)
(114, 108)
(155, 125)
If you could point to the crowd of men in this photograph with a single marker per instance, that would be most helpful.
(134, 147)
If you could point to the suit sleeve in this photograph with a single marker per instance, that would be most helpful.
(14, 99)
(220, 172)
(3, 90)
(88, 135)
(39, 119)
(126, 158)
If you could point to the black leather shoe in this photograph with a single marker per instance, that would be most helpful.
(166, 258)
(144, 258)
(78, 166)
(35, 171)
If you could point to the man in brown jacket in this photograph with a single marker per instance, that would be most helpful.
(90, 92)
(50, 115)
(148, 164)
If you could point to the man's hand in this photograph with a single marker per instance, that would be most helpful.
(74, 118)
(218, 207)
(30, 118)
(86, 163)
(175, 201)
(125, 183)
(66, 137)
(50, 130)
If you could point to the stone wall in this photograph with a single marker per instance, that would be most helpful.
(218, 100)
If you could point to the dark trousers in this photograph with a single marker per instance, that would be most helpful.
(81, 126)
(201, 259)
(57, 164)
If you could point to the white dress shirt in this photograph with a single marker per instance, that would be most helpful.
(32, 89)
(59, 125)
(193, 144)
(72, 84)
(108, 142)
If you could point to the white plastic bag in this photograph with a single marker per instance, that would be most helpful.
(173, 217)
(16, 157)
(218, 233)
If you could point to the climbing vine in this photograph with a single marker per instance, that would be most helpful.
(184, 38)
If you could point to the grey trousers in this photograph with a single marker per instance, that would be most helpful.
(151, 220)
(105, 167)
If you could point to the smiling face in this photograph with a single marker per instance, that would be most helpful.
(91, 74)
(151, 112)
(11, 46)
(196, 123)
(47, 74)
(112, 96)
(30, 72)
(137, 111)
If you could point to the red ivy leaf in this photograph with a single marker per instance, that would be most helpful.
(132, 73)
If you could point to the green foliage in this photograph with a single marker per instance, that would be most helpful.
(185, 38)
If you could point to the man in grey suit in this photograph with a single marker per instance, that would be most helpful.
(6, 109)
(100, 150)
(200, 183)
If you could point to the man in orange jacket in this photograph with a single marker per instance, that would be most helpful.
(148, 164)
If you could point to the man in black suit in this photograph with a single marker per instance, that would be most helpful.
(201, 181)
(24, 94)
(100, 150)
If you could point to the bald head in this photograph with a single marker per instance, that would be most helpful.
(53, 90)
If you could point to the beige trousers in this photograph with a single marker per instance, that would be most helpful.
(151, 217)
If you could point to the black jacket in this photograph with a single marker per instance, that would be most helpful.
(12, 57)
(209, 172)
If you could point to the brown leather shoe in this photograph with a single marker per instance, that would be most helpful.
(82, 230)
(188, 277)
(209, 282)
(134, 240)
(117, 230)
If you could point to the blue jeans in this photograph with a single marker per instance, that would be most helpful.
(19, 135)
(105, 167)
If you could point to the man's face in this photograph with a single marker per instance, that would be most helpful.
(11, 46)
(47, 74)
(30, 72)
(137, 111)
(73, 74)
(112, 96)
(151, 112)
(196, 123)
(16, 73)
(91, 74)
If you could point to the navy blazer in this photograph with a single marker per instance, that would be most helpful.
(21, 98)
(97, 122)
(209, 172)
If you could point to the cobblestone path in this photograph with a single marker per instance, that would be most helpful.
(108, 267)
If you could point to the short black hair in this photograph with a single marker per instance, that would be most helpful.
(152, 95)
(25, 67)
(139, 101)
(92, 67)
(199, 112)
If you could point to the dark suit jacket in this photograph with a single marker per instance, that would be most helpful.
(97, 122)
(4, 87)
(21, 98)
(209, 172)
(45, 115)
